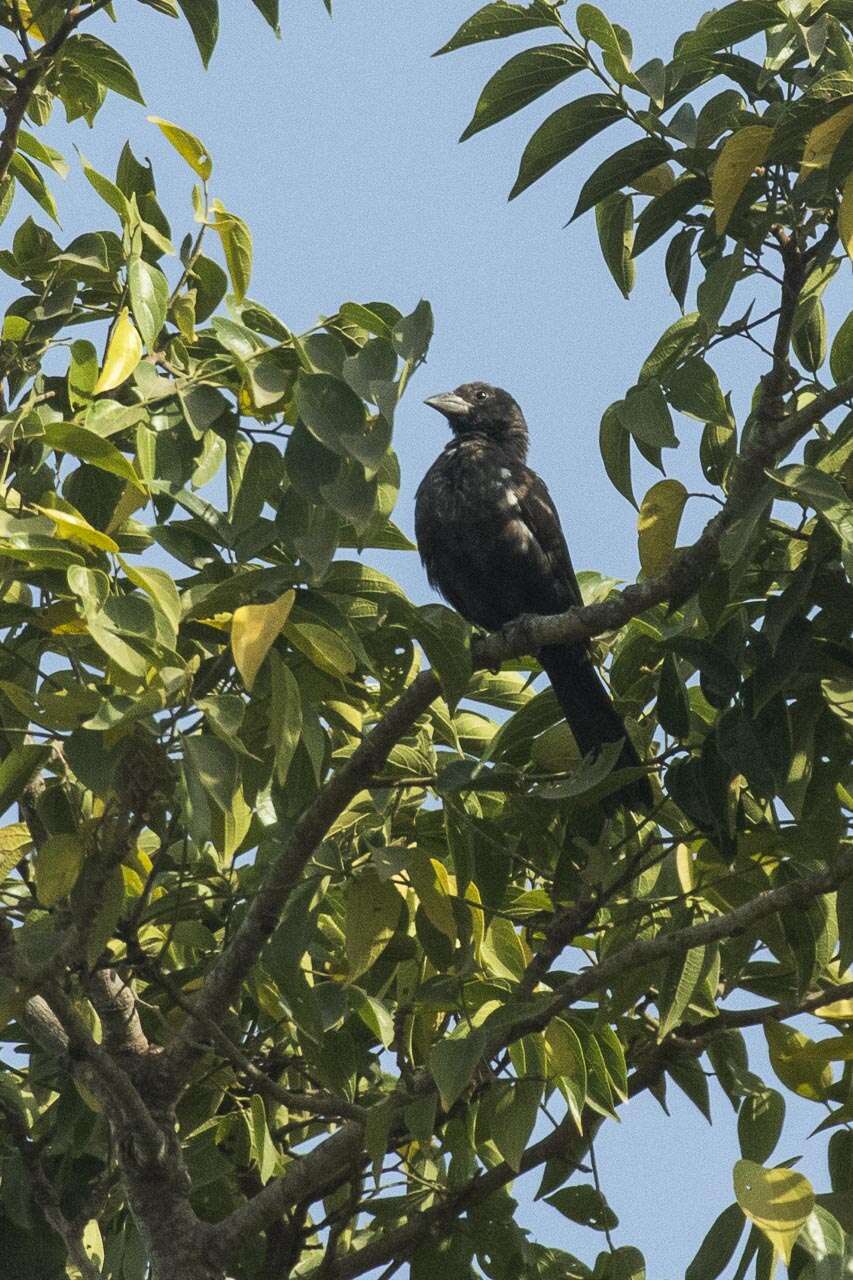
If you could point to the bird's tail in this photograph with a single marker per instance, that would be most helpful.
(591, 715)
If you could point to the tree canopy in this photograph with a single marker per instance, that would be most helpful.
(315, 934)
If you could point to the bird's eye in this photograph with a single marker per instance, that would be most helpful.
(481, 395)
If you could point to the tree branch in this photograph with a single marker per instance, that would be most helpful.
(223, 981)
(303, 1181)
(16, 108)
(526, 635)
(645, 950)
(115, 1005)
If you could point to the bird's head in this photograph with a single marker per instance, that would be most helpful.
(475, 408)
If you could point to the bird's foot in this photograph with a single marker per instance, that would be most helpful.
(517, 630)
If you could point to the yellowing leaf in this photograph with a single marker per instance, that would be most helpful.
(187, 145)
(14, 841)
(778, 1201)
(57, 867)
(433, 887)
(825, 137)
(237, 247)
(254, 627)
(839, 1009)
(741, 154)
(372, 911)
(792, 1057)
(73, 527)
(657, 524)
(123, 354)
(845, 217)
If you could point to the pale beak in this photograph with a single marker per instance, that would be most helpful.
(449, 404)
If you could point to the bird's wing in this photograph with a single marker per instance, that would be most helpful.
(538, 537)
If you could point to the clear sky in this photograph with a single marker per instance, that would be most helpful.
(337, 144)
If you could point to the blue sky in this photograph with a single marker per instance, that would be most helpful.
(337, 144)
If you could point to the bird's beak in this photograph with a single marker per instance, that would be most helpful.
(449, 404)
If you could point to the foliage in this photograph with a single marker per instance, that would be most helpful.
(298, 947)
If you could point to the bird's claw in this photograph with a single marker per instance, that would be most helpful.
(518, 627)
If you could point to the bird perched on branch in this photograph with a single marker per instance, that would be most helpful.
(491, 543)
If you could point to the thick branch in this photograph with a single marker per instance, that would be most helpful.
(123, 1104)
(115, 1005)
(303, 1181)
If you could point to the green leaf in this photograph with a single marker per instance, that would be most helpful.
(683, 974)
(187, 145)
(673, 343)
(595, 26)
(330, 409)
(149, 298)
(814, 488)
(372, 908)
(203, 17)
(446, 640)
(759, 1124)
(673, 704)
(263, 1148)
(729, 25)
(452, 1062)
(107, 916)
(567, 129)
(521, 80)
(614, 218)
(269, 11)
(838, 695)
(17, 769)
(411, 335)
(325, 648)
(374, 1015)
(841, 355)
(619, 170)
(566, 1065)
(214, 765)
(33, 183)
(665, 210)
(103, 64)
(717, 1249)
(38, 150)
(58, 864)
(89, 447)
(513, 1120)
(585, 1205)
(106, 189)
(693, 388)
(236, 245)
(497, 20)
(645, 414)
(614, 443)
(626, 1263)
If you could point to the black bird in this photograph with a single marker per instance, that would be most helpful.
(491, 543)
